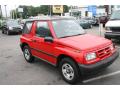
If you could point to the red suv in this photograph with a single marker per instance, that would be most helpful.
(61, 42)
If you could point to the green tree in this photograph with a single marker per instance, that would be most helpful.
(24, 14)
(0, 16)
(28, 11)
(44, 9)
(34, 11)
(65, 8)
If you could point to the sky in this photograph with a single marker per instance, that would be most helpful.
(12, 4)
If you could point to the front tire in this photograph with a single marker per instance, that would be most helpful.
(107, 37)
(69, 71)
(91, 26)
(8, 32)
(27, 54)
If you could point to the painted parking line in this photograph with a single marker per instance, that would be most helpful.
(101, 77)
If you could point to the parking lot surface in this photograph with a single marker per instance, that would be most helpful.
(15, 70)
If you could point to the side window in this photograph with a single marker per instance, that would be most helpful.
(43, 29)
(27, 27)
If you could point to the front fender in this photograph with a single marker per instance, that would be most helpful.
(77, 55)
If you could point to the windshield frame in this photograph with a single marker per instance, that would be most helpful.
(68, 35)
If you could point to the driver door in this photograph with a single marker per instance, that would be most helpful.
(42, 49)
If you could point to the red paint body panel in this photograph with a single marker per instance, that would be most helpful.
(86, 42)
(75, 46)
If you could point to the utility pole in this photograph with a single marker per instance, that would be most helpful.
(10, 14)
(71, 10)
(5, 11)
(15, 12)
(63, 10)
(1, 11)
(13, 15)
(110, 9)
(50, 10)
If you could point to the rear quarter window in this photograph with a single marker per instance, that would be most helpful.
(27, 27)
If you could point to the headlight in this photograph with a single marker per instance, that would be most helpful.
(90, 56)
(21, 27)
(108, 29)
(10, 28)
(111, 47)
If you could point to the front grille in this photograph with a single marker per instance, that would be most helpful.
(104, 52)
(115, 29)
(16, 28)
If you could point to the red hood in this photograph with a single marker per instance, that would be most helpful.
(85, 42)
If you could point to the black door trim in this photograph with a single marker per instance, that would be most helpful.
(44, 53)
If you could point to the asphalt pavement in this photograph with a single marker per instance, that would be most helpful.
(14, 70)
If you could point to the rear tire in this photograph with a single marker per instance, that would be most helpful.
(2, 31)
(27, 54)
(69, 71)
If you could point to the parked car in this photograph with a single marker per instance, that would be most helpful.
(91, 20)
(11, 26)
(84, 24)
(62, 42)
(113, 26)
(96, 21)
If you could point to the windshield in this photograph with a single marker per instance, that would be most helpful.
(12, 23)
(115, 15)
(83, 21)
(66, 28)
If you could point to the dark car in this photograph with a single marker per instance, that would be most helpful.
(84, 24)
(11, 26)
(113, 26)
(91, 20)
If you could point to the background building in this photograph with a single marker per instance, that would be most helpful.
(87, 11)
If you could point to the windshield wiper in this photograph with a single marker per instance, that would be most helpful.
(65, 36)
(71, 35)
(78, 34)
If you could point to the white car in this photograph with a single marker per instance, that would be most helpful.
(113, 26)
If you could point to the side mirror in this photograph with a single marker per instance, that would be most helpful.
(48, 39)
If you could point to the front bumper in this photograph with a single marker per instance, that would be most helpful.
(93, 68)
(110, 35)
(15, 31)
